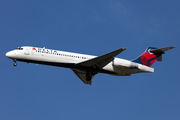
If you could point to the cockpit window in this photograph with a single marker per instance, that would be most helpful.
(19, 48)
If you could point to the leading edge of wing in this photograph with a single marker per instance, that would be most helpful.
(102, 60)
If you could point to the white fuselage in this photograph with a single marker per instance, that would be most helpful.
(119, 67)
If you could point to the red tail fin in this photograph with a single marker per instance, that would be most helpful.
(151, 55)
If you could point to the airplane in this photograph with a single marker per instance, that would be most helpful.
(87, 66)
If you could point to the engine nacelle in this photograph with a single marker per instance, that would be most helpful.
(125, 64)
(116, 63)
(134, 65)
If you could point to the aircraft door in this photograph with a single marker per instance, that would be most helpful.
(26, 52)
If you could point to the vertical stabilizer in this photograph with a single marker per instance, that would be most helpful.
(151, 55)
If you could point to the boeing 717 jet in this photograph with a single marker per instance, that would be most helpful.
(87, 66)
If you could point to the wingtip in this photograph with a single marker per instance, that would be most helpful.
(124, 48)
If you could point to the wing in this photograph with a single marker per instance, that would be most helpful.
(94, 65)
(102, 60)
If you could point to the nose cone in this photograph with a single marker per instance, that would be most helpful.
(10, 54)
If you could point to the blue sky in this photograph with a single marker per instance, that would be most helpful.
(31, 91)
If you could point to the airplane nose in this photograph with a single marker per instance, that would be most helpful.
(10, 54)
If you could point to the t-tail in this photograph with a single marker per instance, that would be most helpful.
(151, 55)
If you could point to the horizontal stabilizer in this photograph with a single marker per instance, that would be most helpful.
(160, 50)
(160, 58)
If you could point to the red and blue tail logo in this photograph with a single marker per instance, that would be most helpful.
(147, 58)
